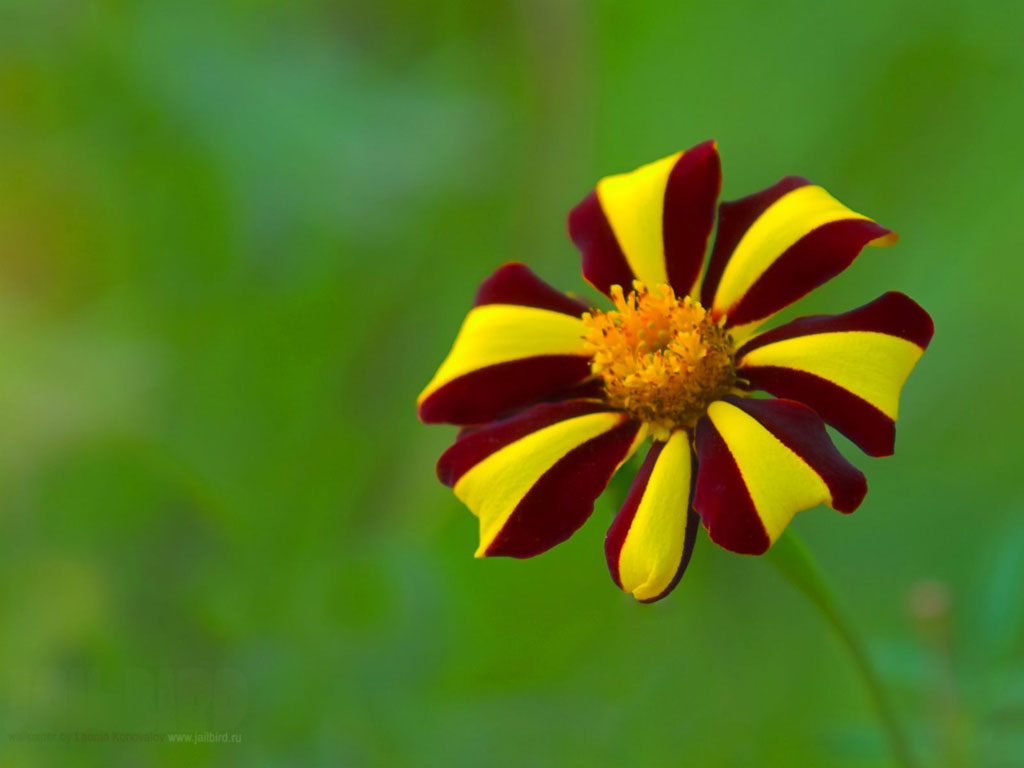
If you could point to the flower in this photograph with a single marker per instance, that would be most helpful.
(553, 397)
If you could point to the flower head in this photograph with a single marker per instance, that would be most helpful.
(555, 396)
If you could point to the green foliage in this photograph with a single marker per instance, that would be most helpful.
(235, 240)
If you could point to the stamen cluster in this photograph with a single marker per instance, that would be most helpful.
(662, 359)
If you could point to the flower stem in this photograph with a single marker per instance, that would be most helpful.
(791, 558)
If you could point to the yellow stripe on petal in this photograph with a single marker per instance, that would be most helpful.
(650, 555)
(784, 223)
(779, 482)
(641, 435)
(499, 333)
(873, 366)
(634, 204)
(493, 488)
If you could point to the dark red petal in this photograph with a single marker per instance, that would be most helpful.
(813, 260)
(616, 535)
(689, 214)
(734, 219)
(516, 283)
(604, 263)
(562, 500)
(892, 313)
(721, 498)
(870, 429)
(473, 446)
(620, 527)
(488, 393)
(802, 431)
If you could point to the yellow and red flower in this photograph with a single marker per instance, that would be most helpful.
(554, 396)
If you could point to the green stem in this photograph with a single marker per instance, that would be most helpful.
(794, 561)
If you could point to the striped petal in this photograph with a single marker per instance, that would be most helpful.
(849, 368)
(776, 246)
(521, 342)
(761, 462)
(650, 542)
(651, 224)
(532, 479)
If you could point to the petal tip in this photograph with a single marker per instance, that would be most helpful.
(746, 546)
(856, 492)
(425, 410)
(885, 240)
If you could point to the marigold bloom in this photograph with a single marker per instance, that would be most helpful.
(554, 396)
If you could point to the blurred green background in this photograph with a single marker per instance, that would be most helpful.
(236, 238)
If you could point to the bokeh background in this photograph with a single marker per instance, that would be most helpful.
(237, 237)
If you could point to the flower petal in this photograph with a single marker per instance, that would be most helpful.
(521, 342)
(761, 462)
(849, 368)
(516, 283)
(650, 542)
(776, 246)
(532, 479)
(651, 224)
(474, 444)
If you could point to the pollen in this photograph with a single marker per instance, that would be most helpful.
(663, 359)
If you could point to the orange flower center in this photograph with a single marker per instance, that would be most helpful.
(662, 359)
